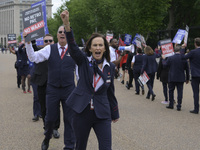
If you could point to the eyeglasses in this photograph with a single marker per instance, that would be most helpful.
(46, 41)
(60, 32)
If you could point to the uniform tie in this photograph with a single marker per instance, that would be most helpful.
(63, 50)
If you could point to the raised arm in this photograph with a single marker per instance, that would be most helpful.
(38, 56)
(74, 50)
(11, 50)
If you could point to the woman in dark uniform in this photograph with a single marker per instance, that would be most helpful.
(93, 100)
(150, 66)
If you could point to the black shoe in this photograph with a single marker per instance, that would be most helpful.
(169, 107)
(194, 112)
(56, 134)
(137, 93)
(45, 144)
(148, 97)
(178, 109)
(18, 85)
(122, 82)
(153, 97)
(131, 85)
(35, 118)
(127, 87)
(143, 92)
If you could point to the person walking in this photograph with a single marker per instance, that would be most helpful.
(39, 77)
(176, 78)
(93, 100)
(194, 59)
(60, 84)
(24, 71)
(136, 64)
(162, 74)
(150, 66)
(17, 63)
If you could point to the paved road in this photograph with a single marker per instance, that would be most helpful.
(143, 124)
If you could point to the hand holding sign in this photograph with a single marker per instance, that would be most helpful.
(33, 23)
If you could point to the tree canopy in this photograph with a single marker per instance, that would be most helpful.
(127, 16)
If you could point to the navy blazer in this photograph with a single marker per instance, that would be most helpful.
(194, 57)
(104, 100)
(149, 63)
(177, 68)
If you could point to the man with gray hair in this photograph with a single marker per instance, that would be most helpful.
(60, 84)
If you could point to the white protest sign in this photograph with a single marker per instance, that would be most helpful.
(109, 36)
(143, 79)
(179, 36)
(167, 47)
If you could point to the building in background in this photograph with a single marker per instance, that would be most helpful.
(11, 21)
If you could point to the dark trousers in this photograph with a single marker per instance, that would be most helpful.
(42, 99)
(54, 97)
(18, 77)
(83, 123)
(179, 86)
(195, 88)
(137, 85)
(130, 72)
(165, 90)
(36, 103)
(150, 84)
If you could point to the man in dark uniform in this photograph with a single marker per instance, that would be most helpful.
(194, 58)
(176, 77)
(60, 84)
(15, 51)
(39, 77)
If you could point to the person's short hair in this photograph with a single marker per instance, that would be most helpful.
(89, 42)
(139, 50)
(148, 50)
(111, 40)
(48, 35)
(197, 41)
(177, 48)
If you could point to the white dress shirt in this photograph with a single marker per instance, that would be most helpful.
(41, 55)
(113, 56)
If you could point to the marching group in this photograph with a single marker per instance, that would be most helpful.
(92, 102)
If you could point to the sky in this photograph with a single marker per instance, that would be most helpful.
(56, 4)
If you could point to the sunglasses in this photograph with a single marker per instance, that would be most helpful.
(60, 32)
(46, 41)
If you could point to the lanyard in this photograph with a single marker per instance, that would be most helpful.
(96, 81)
(95, 84)
(62, 55)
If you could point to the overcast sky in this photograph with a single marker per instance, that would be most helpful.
(56, 4)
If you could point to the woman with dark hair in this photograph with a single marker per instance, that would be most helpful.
(150, 66)
(93, 100)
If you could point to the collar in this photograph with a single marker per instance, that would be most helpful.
(104, 61)
(112, 49)
(59, 46)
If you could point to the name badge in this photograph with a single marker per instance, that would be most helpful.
(108, 81)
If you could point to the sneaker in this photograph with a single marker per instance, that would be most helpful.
(24, 92)
(29, 91)
(165, 102)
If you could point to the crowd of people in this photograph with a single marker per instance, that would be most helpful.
(91, 103)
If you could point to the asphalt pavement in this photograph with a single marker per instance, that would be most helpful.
(143, 124)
